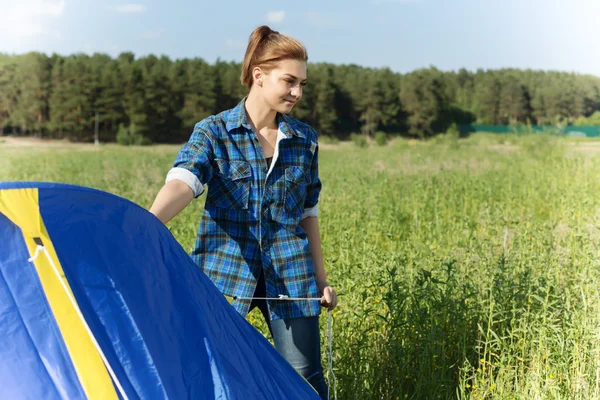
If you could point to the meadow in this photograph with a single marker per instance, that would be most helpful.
(465, 268)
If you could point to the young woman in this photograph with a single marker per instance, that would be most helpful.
(259, 235)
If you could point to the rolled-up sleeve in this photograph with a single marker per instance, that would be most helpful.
(193, 164)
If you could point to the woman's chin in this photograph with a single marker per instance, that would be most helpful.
(286, 107)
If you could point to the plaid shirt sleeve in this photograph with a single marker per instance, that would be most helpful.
(193, 163)
(314, 187)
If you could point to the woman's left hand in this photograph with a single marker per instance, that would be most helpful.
(328, 295)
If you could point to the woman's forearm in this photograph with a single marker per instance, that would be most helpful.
(172, 198)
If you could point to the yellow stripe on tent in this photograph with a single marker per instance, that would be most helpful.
(21, 206)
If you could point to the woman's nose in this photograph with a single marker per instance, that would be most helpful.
(297, 91)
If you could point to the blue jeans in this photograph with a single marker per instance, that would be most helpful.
(297, 340)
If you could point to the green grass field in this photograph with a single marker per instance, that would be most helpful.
(465, 268)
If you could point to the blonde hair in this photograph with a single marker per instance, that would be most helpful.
(265, 48)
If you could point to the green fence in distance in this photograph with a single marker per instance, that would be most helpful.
(590, 131)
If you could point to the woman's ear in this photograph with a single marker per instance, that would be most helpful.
(257, 76)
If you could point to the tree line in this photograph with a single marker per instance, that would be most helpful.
(157, 99)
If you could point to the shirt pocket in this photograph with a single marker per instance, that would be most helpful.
(290, 192)
(295, 189)
(230, 184)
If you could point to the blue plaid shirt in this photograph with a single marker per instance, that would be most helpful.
(251, 216)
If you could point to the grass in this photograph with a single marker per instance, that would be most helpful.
(466, 268)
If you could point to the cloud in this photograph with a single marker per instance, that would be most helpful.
(49, 8)
(130, 8)
(275, 17)
(26, 20)
(326, 21)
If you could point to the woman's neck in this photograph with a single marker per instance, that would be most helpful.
(259, 113)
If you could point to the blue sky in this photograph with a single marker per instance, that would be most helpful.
(400, 34)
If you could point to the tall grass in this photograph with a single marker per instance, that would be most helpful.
(466, 268)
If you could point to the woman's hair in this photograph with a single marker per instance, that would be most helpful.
(265, 48)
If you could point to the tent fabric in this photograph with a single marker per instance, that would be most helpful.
(163, 327)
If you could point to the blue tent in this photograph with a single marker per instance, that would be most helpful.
(112, 307)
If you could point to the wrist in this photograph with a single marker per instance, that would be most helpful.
(322, 284)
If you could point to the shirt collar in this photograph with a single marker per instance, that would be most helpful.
(237, 117)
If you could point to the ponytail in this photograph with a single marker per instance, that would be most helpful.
(265, 48)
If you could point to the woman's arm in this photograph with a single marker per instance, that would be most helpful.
(172, 198)
(185, 180)
(311, 227)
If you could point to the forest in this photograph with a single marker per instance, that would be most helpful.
(158, 100)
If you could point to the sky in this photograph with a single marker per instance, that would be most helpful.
(403, 35)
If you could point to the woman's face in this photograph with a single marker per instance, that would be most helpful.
(282, 86)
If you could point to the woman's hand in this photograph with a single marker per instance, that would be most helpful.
(328, 295)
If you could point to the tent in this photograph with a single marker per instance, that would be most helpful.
(99, 301)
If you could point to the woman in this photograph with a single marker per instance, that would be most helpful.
(259, 235)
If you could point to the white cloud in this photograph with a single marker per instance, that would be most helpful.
(24, 21)
(50, 8)
(327, 21)
(275, 17)
(130, 8)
